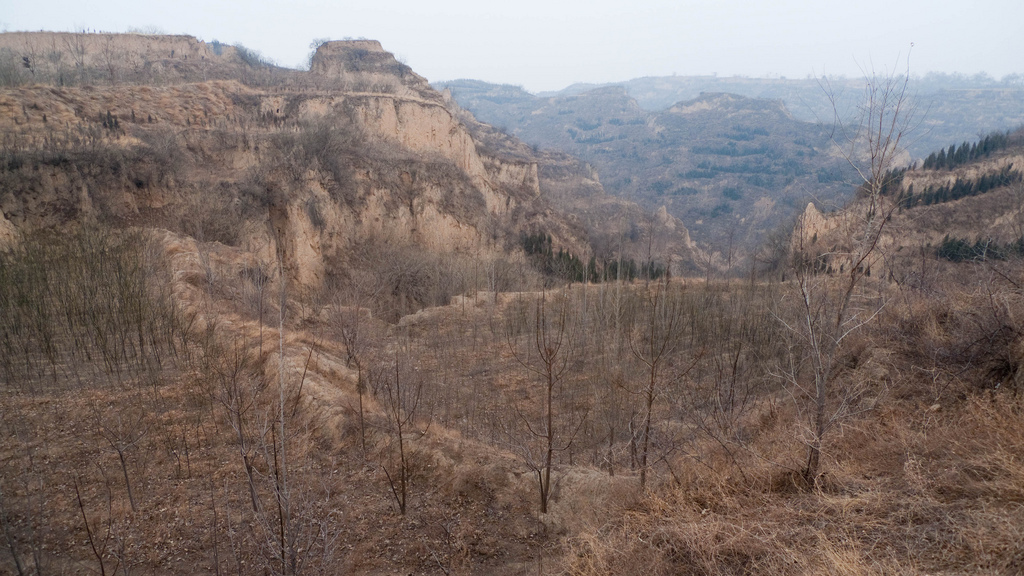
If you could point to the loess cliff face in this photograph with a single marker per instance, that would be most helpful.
(364, 66)
(360, 148)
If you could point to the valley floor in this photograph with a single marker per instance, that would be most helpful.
(159, 449)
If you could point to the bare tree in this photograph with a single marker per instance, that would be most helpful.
(549, 356)
(832, 308)
(654, 338)
(254, 292)
(352, 323)
(123, 427)
(97, 544)
(289, 553)
(738, 336)
(75, 45)
(238, 388)
(402, 401)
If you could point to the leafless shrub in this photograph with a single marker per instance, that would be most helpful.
(122, 427)
(395, 279)
(655, 338)
(962, 335)
(162, 159)
(85, 308)
(405, 418)
(545, 341)
(12, 71)
(330, 145)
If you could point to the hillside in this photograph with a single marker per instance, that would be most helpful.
(357, 142)
(732, 168)
(966, 210)
(165, 204)
(327, 322)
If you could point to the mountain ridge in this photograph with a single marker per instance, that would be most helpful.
(995, 105)
(729, 163)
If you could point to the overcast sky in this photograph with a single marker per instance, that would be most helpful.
(549, 44)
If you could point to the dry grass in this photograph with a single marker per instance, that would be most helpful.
(909, 488)
(929, 482)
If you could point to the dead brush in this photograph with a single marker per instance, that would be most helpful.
(665, 537)
(842, 555)
(924, 491)
(982, 451)
(584, 499)
(963, 336)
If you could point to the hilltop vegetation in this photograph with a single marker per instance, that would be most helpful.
(949, 209)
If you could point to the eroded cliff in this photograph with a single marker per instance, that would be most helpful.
(359, 149)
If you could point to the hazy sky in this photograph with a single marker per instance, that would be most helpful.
(549, 44)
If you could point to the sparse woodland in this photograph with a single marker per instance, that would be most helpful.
(175, 398)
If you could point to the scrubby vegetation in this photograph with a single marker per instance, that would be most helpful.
(567, 267)
(159, 448)
(961, 249)
(961, 188)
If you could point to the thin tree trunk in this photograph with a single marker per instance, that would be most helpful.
(814, 450)
(362, 417)
(127, 483)
(647, 432)
(611, 444)
(545, 485)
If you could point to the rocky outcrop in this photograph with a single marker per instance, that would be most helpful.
(364, 66)
(811, 225)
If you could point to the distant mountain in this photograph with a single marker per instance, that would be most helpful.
(730, 167)
(727, 155)
(951, 108)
